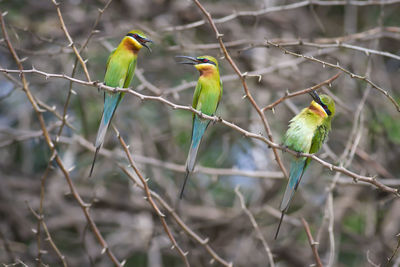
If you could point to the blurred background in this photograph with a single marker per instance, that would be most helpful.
(355, 224)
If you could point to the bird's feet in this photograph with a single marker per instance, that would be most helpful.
(284, 147)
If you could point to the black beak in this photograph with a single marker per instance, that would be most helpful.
(315, 96)
(192, 60)
(317, 99)
(143, 42)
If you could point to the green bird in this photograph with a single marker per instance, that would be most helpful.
(120, 68)
(306, 134)
(205, 99)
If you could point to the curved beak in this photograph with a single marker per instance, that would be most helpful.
(315, 96)
(144, 41)
(192, 60)
(317, 99)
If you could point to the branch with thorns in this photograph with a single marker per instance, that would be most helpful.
(356, 177)
(54, 155)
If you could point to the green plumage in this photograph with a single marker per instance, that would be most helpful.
(206, 98)
(120, 69)
(306, 134)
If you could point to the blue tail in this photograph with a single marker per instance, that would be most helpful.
(297, 168)
(111, 102)
(199, 127)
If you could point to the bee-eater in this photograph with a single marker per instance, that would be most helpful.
(306, 134)
(120, 68)
(205, 99)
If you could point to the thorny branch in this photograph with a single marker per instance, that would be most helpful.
(55, 157)
(313, 244)
(301, 92)
(71, 42)
(332, 42)
(244, 83)
(202, 241)
(280, 8)
(346, 71)
(78, 58)
(324, 46)
(356, 177)
(150, 199)
(255, 225)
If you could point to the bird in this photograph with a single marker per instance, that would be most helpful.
(306, 133)
(120, 68)
(206, 98)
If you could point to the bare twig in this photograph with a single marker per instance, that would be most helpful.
(71, 42)
(151, 201)
(394, 251)
(366, 51)
(78, 58)
(312, 243)
(54, 155)
(374, 33)
(337, 66)
(202, 241)
(245, 87)
(256, 228)
(301, 92)
(356, 177)
(280, 8)
(42, 223)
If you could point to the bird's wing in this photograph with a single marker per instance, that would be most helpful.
(131, 71)
(220, 93)
(109, 57)
(300, 133)
(196, 95)
(318, 139)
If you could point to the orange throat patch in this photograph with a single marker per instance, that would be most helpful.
(207, 71)
(317, 109)
(130, 45)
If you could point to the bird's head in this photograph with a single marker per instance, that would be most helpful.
(207, 65)
(325, 102)
(137, 39)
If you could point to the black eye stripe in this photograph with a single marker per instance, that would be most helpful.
(204, 60)
(326, 109)
(136, 36)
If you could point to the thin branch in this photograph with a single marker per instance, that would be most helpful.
(242, 78)
(280, 8)
(255, 226)
(70, 91)
(377, 32)
(145, 83)
(394, 251)
(71, 42)
(366, 51)
(312, 243)
(337, 66)
(267, 70)
(301, 92)
(202, 241)
(42, 223)
(356, 177)
(210, 171)
(82, 204)
(331, 234)
(150, 199)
